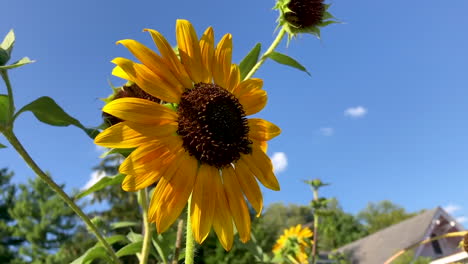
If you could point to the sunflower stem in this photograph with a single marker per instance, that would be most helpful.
(11, 103)
(180, 233)
(147, 226)
(10, 136)
(189, 242)
(267, 53)
(316, 226)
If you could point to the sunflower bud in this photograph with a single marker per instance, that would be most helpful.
(303, 16)
(4, 57)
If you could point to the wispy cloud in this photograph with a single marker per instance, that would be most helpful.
(355, 112)
(461, 219)
(93, 178)
(280, 161)
(452, 208)
(327, 131)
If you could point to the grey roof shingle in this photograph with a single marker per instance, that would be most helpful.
(378, 247)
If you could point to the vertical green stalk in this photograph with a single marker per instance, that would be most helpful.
(32, 164)
(180, 233)
(189, 242)
(316, 226)
(11, 107)
(146, 226)
(267, 53)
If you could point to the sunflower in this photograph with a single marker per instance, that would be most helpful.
(300, 238)
(197, 143)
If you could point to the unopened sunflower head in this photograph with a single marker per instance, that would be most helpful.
(198, 141)
(303, 16)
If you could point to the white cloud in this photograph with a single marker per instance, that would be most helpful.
(452, 208)
(95, 177)
(355, 112)
(280, 161)
(327, 131)
(461, 219)
(101, 150)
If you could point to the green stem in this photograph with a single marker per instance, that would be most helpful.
(316, 225)
(11, 103)
(147, 227)
(189, 242)
(265, 55)
(32, 164)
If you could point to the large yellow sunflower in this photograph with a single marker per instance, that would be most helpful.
(203, 146)
(301, 236)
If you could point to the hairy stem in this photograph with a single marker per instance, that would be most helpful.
(180, 233)
(146, 227)
(32, 164)
(265, 55)
(189, 242)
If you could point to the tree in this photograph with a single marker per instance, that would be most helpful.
(383, 214)
(339, 228)
(43, 220)
(7, 200)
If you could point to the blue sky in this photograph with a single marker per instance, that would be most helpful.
(401, 65)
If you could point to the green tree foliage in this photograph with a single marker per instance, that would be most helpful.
(44, 221)
(7, 200)
(338, 228)
(377, 216)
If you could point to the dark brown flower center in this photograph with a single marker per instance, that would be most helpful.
(212, 125)
(305, 13)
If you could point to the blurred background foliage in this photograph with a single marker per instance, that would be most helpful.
(37, 227)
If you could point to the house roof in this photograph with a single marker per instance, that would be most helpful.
(380, 246)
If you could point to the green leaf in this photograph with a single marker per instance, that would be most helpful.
(48, 111)
(2, 146)
(286, 60)
(250, 60)
(17, 64)
(92, 254)
(130, 249)
(4, 109)
(123, 152)
(101, 184)
(134, 237)
(123, 224)
(116, 238)
(8, 42)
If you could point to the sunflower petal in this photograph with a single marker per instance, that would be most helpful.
(117, 71)
(203, 202)
(170, 58)
(247, 86)
(140, 111)
(153, 156)
(152, 60)
(254, 101)
(260, 165)
(234, 78)
(222, 219)
(148, 81)
(262, 130)
(189, 51)
(239, 209)
(222, 66)
(263, 144)
(207, 49)
(249, 187)
(171, 194)
(120, 136)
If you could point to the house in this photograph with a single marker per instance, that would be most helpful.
(380, 246)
